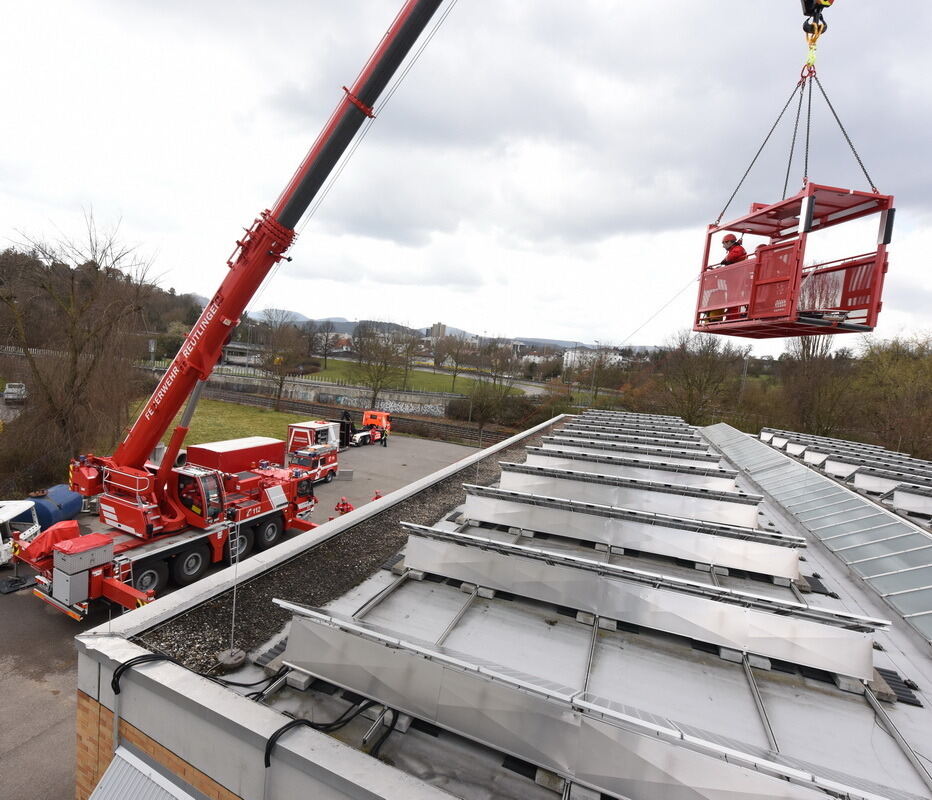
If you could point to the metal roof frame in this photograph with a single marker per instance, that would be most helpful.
(732, 597)
(575, 735)
(777, 474)
(633, 428)
(587, 445)
(620, 466)
(613, 512)
(733, 508)
(708, 546)
(634, 438)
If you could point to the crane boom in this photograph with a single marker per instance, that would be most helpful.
(267, 241)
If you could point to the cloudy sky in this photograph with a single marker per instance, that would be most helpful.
(546, 168)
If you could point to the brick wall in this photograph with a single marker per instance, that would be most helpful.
(95, 751)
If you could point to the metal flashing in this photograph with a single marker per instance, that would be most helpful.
(706, 477)
(582, 737)
(128, 776)
(635, 438)
(731, 547)
(854, 519)
(477, 546)
(633, 428)
(733, 508)
(646, 452)
(767, 434)
(613, 512)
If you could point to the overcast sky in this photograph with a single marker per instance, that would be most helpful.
(546, 169)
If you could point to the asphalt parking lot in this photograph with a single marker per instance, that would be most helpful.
(37, 656)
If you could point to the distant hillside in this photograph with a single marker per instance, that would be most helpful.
(346, 327)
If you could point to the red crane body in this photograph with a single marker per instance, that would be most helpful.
(183, 517)
(144, 503)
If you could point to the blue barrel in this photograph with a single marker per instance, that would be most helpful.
(58, 504)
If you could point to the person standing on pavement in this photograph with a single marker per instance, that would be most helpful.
(384, 437)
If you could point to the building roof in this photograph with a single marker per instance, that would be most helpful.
(891, 552)
(658, 622)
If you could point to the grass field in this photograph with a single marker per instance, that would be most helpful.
(215, 421)
(417, 381)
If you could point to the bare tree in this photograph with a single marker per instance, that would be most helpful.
(311, 337)
(701, 375)
(485, 404)
(500, 361)
(378, 363)
(284, 348)
(457, 352)
(327, 337)
(595, 374)
(72, 308)
(894, 393)
(816, 387)
(408, 344)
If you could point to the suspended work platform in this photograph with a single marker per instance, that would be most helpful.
(774, 292)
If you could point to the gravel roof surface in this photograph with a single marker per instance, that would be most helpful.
(317, 576)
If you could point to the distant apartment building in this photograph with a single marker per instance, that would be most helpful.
(243, 353)
(584, 356)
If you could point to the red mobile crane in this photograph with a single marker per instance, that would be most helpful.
(175, 519)
(166, 519)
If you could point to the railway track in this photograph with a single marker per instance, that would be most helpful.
(417, 426)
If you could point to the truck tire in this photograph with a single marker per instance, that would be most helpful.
(150, 576)
(190, 564)
(329, 478)
(269, 532)
(247, 538)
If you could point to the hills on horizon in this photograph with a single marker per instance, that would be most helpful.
(346, 327)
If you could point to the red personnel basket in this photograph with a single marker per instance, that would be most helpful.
(774, 293)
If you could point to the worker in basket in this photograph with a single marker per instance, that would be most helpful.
(735, 252)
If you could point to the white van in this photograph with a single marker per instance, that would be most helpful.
(14, 393)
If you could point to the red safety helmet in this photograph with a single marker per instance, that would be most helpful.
(730, 240)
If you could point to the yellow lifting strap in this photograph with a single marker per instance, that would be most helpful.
(812, 40)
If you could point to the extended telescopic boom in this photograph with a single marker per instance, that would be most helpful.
(266, 243)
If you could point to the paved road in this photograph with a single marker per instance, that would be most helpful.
(37, 656)
(9, 413)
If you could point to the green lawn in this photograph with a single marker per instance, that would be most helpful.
(215, 422)
(417, 381)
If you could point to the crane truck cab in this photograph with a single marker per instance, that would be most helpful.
(200, 492)
(375, 425)
(18, 520)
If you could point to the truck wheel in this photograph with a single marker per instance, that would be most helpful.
(269, 532)
(190, 564)
(329, 478)
(245, 539)
(150, 576)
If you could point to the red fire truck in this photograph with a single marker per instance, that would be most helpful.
(164, 519)
(314, 446)
(234, 496)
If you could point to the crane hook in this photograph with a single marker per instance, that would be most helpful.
(815, 24)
